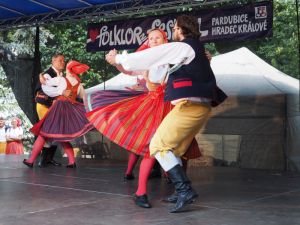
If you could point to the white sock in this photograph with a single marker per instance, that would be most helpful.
(167, 161)
(179, 160)
(47, 144)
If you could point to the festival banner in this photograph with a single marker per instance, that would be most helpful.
(237, 23)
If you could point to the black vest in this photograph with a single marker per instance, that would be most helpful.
(195, 79)
(40, 96)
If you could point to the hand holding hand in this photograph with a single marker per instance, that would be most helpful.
(111, 57)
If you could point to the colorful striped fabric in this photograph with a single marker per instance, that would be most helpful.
(103, 98)
(130, 121)
(64, 122)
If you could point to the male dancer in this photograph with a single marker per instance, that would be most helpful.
(43, 103)
(191, 87)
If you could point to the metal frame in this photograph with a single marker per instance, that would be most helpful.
(106, 12)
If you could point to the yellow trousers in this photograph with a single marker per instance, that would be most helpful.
(2, 147)
(41, 110)
(179, 127)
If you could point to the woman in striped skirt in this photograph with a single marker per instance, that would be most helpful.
(65, 119)
(130, 118)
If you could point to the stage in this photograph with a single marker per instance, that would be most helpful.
(95, 193)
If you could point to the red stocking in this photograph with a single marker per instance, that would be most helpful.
(69, 151)
(145, 169)
(37, 148)
(132, 160)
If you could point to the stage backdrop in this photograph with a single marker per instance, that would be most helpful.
(230, 23)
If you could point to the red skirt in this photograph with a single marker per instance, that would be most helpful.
(64, 121)
(14, 147)
(132, 121)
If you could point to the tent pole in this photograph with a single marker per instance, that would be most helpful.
(105, 70)
(37, 67)
(298, 32)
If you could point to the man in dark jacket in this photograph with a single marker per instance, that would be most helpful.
(191, 87)
(43, 102)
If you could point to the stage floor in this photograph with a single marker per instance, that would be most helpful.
(95, 193)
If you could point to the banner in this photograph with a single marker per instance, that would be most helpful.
(232, 23)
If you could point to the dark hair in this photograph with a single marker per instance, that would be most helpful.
(189, 26)
(57, 55)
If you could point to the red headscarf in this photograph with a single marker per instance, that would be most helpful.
(76, 68)
(145, 45)
(19, 122)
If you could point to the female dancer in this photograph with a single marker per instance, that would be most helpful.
(65, 119)
(130, 118)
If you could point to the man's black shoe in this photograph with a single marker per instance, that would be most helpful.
(54, 163)
(171, 198)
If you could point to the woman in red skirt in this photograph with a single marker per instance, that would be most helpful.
(130, 118)
(65, 119)
(14, 136)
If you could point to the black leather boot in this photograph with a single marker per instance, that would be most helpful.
(50, 158)
(44, 156)
(186, 194)
(171, 198)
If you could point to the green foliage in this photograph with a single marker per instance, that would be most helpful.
(70, 39)
(281, 50)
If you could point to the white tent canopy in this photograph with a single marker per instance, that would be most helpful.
(259, 124)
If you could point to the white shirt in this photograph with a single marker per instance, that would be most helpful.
(2, 134)
(53, 88)
(16, 133)
(169, 53)
(157, 75)
(162, 55)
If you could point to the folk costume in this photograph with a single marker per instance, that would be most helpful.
(65, 119)
(43, 103)
(130, 118)
(192, 88)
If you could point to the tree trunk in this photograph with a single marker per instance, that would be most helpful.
(20, 76)
(23, 75)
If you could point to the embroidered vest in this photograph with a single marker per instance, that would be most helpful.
(195, 79)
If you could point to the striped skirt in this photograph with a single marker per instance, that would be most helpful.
(64, 121)
(104, 98)
(129, 118)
